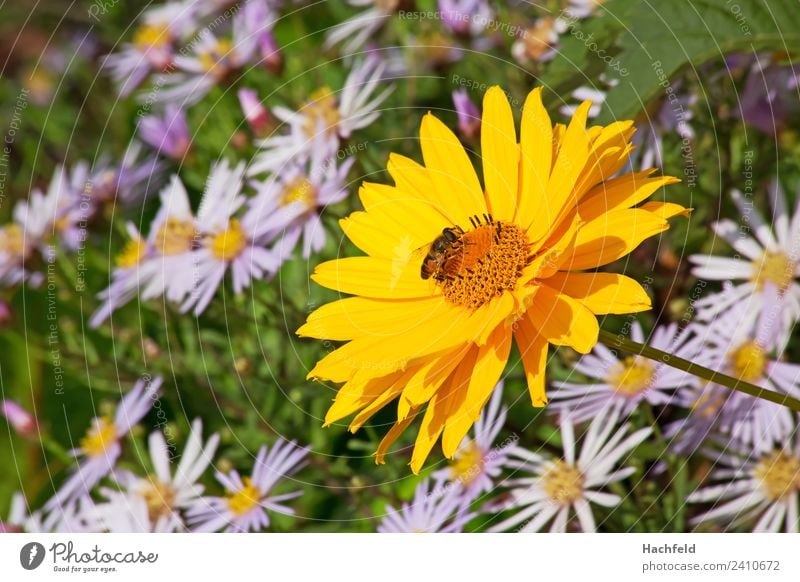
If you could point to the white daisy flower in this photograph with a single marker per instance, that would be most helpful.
(247, 500)
(763, 489)
(433, 510)
(325, 119)
(99, 450)
(557, 487)
(767, 263)
(628, 380)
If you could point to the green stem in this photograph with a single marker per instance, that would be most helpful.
(616, 341)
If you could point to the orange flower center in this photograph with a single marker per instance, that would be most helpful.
(537, 38)
(483, 263)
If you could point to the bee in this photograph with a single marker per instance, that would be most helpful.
(442, 255)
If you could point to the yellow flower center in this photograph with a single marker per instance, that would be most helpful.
(467, 464)
(563, 483)
(481, 264)
(775, 268)
(779, 475)
(39, 82)
(245, 498)
(212, 60)
(631, 376)
(748, 362)
(175, 236)
(99, 437)
(160, 499)
(152, 35)
(229, 244)
(12, 240)
(300, 190)
(322, 112)
(131, 254)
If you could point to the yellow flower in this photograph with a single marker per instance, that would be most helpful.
(455, 272)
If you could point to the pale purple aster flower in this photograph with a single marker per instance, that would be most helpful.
(17, 515)
(627, 380)
(325, 119)
(469, 116)
(597, 94)
(229, 242)
(160, 264)
(155, 502)
(432, 510)
(254, 111)
(766, 262)
(465, 17)
(287, 205)
(354, 32)
(555, 487)
(153, 45)
(673, 117)
(738, 347)
(101, 447)
(127, 512)
(759, 489)
(769, 99)
(583, 8)
(168, 135)
(479, 460)
(213, 59)
(22, 420)
(247, 500)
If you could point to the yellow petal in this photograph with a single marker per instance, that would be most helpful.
(356, 394)
(623, 192)
(404, 212)
(563, 321)
(500, 154)
(572, 157)
(451, 171)
(665, 210)
(421, 387)
(533, 349)
(410, 176)
(536, 150)
(377, 238)
(611, 236)
(602, 293)
(491, 361)
(391, 436)
(376, 277)
(356, 317)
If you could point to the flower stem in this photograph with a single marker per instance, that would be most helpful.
(616, 341)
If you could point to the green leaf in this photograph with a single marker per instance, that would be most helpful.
(660, 39)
